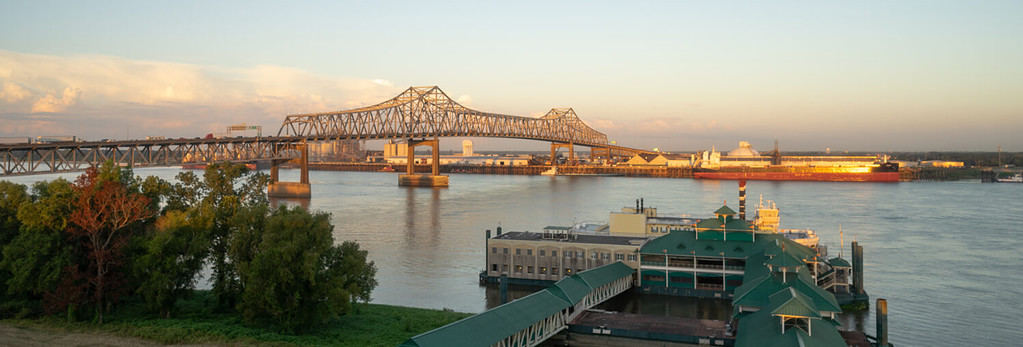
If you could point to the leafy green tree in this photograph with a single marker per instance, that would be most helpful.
(39, 254)
(292, 274)
(11, 197)
(358, 271)
(223, 191)
(174, 256)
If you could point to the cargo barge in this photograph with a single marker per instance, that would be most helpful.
(745, 163)
(884, 172)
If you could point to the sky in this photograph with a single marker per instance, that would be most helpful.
(858, 76)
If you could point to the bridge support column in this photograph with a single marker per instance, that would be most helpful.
(554, 152)
(300, 189)
(411, 179)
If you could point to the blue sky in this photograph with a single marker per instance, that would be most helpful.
(876, 76)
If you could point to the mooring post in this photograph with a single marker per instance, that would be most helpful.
(882, 323)
(504, 288)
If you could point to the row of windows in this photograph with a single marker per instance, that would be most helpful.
(570, 254)
(529, 269)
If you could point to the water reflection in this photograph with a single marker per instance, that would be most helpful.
(277, 202)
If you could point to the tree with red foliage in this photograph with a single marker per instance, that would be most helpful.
(103, 211)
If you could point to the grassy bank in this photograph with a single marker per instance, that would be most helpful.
(196, 322)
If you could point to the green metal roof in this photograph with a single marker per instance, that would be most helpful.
(789, 302)
(726, 223)
(763, 329)
(600, 276)
(724, 210)
(839, 262)
(493, 325)
(709, 244)
(786, 261)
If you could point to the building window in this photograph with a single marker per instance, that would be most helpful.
(554, 271)
(543, 269)
(493, 250)
(504, 267)
(606, 256)
(506, 251)
(541, 253)
(580, 254)
(518, 268)
(529, 269)
(529, 251)
(518, 251)
(554, 253)
(493, 267)
(619, 256)
(632, 257)
(593, 255)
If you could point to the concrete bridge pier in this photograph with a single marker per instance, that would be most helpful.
(554, 152)
(300, 189)
(411, 179)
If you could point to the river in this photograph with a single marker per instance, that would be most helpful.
(946, 255)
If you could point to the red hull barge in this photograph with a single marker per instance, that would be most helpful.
(799, 176)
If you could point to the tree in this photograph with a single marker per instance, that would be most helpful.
(39, 253)
(103, 209)
(314, 286)
(223, 191)
(174, 255)
(12, 196)
(359, 273)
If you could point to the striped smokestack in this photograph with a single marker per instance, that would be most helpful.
(742, 199)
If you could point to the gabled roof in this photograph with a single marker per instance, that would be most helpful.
(785, 260)
(789, 302)
(763, 329)
(724, 210)
(493, 325)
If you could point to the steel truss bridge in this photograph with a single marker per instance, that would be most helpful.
(418, 112)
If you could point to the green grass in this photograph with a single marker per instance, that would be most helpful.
(196, 322)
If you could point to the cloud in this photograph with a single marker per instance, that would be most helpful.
(655, 126)
(51, 103)
(104, 96)
(12, 93)
(464, 100)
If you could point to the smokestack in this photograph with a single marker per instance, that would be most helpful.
(637, 205)
(742, 199)
(642, 208)
(882, 322)
(498, 231)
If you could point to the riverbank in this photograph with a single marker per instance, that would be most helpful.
(195, 323)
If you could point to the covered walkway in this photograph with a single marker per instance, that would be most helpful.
(530, 320)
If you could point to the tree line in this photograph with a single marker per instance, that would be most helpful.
(77, 248)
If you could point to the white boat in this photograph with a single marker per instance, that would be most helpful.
(805, 237)
(1018, 178)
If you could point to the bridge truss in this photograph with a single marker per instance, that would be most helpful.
(427, 112)
(27, 159)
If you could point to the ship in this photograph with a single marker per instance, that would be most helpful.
(745, 163)
(882, 172)
(1017, 178)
